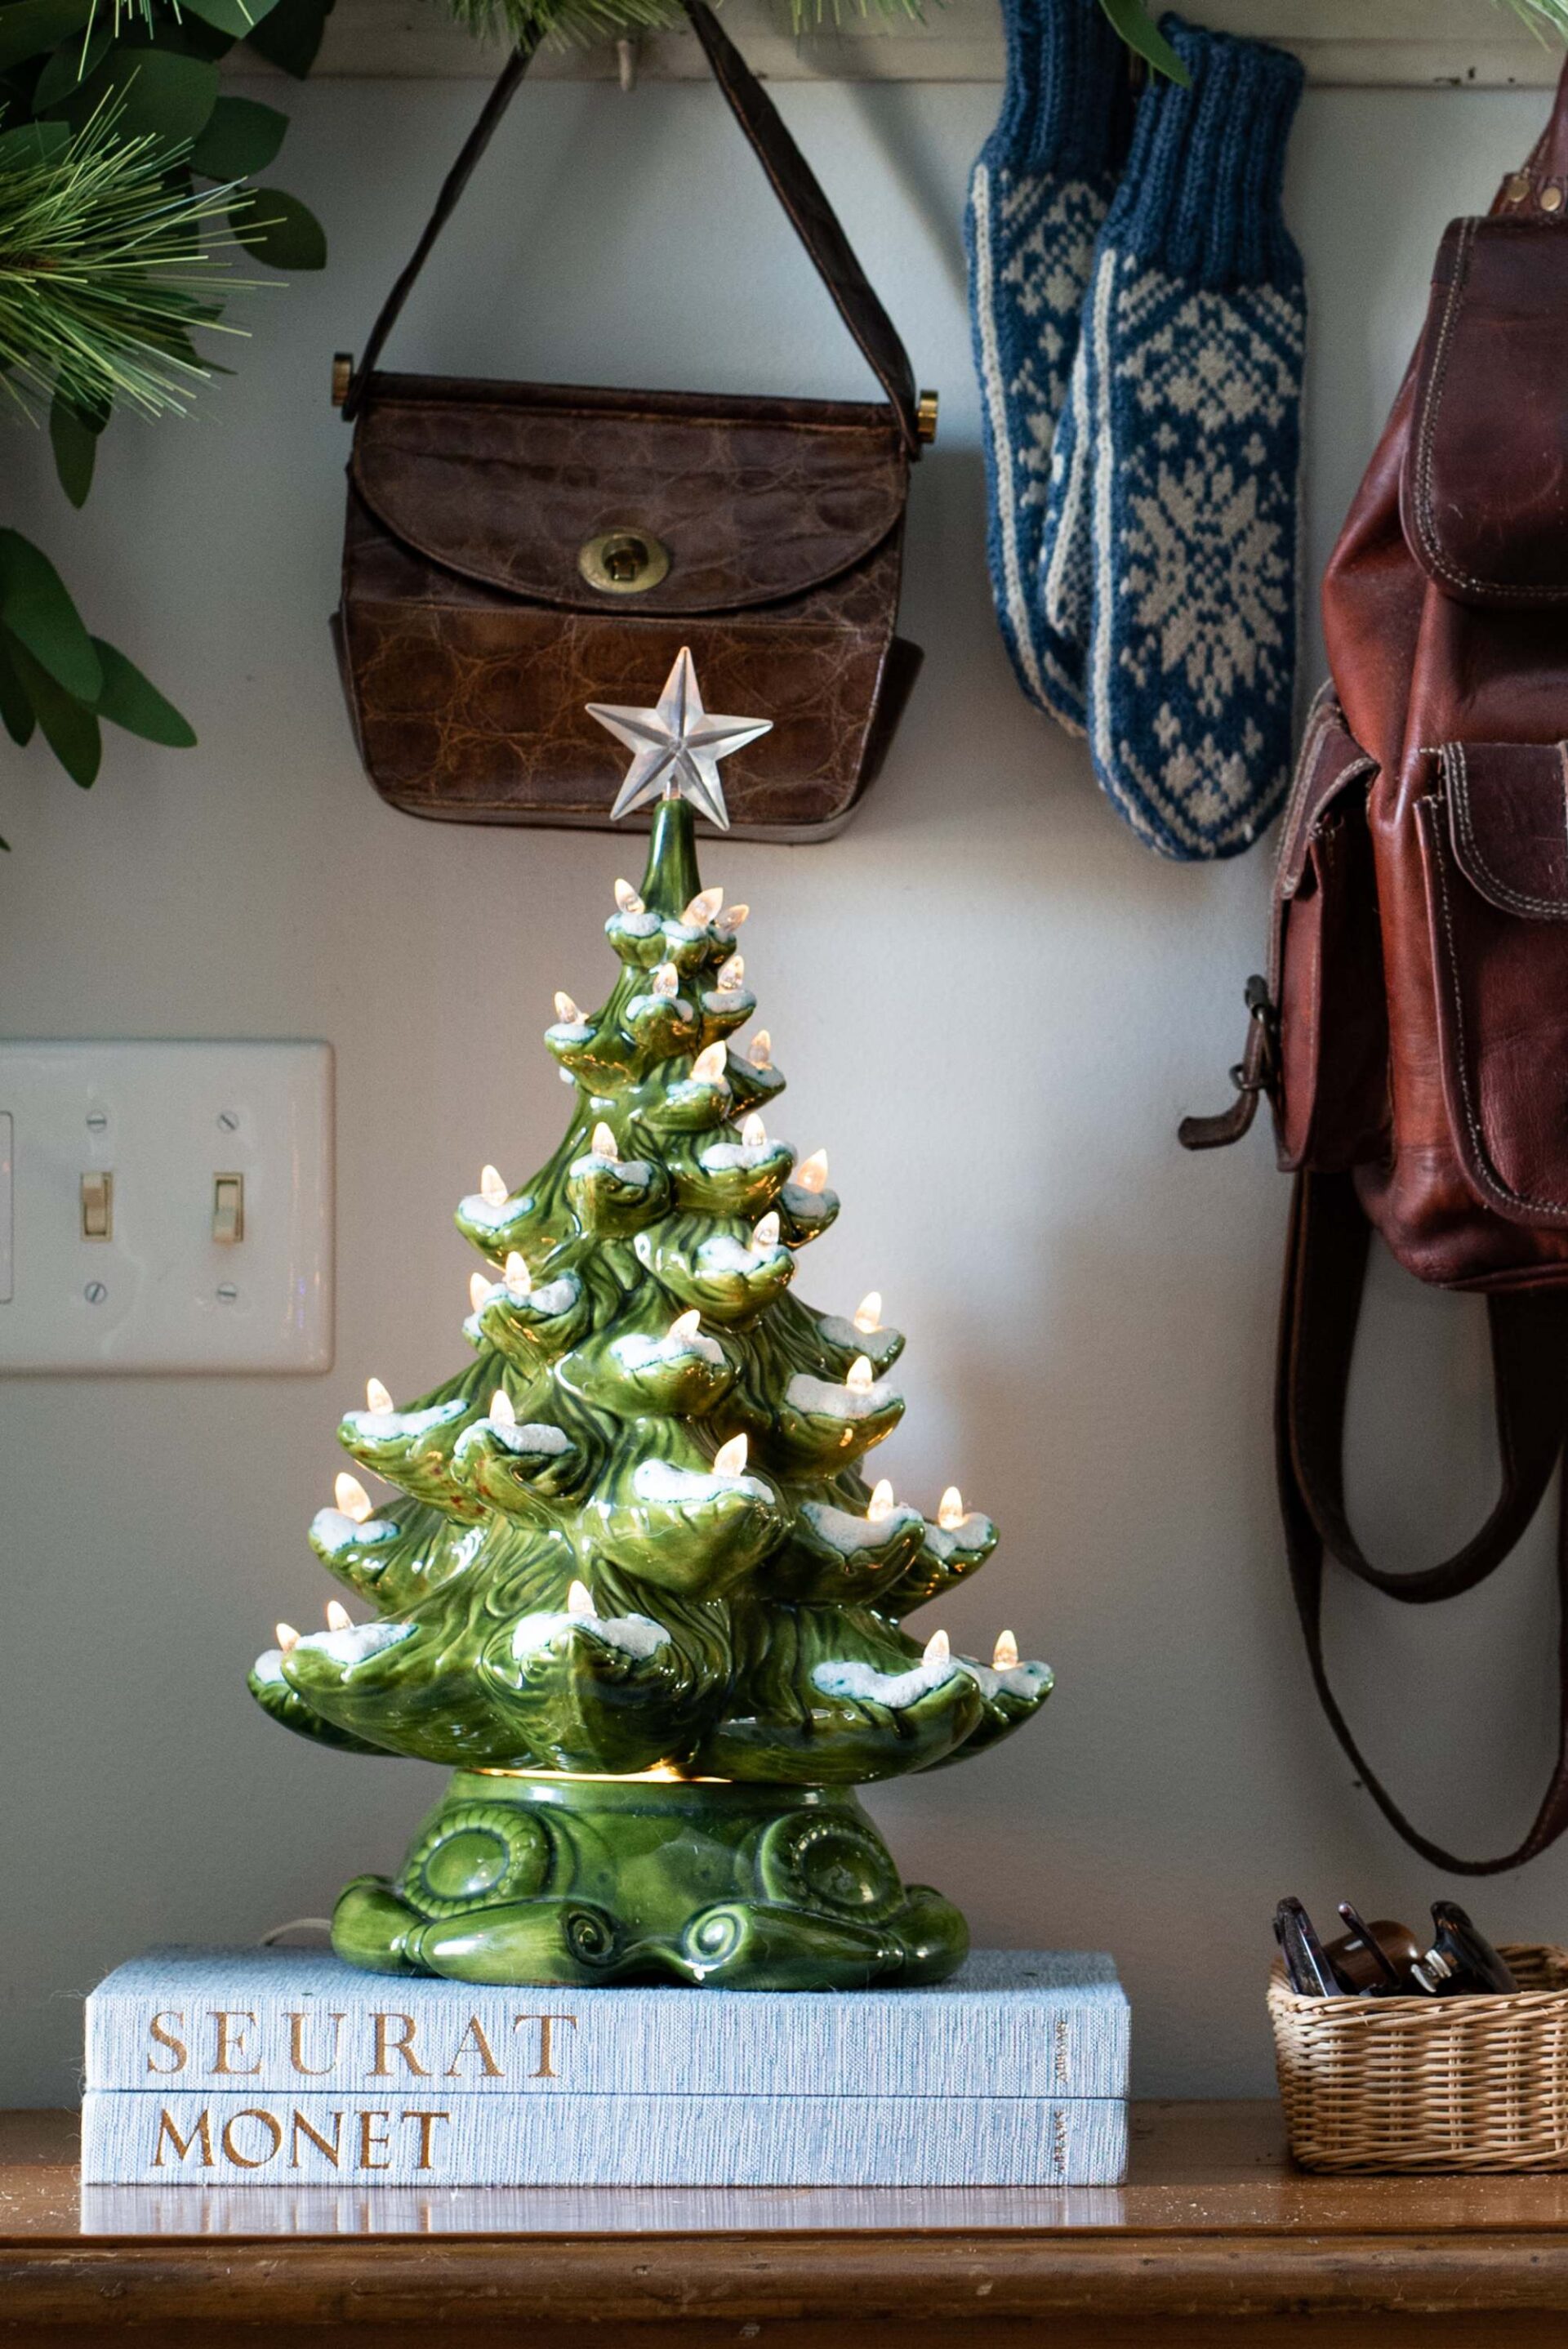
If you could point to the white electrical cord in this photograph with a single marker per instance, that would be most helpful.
(295, 1925)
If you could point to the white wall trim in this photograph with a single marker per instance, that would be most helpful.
(1386, 44)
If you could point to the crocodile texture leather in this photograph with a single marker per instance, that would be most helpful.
(470, 636)
(468, 694)
(757, 501)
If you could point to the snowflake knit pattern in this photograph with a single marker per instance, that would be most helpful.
(1194, 340)
(1039, 196)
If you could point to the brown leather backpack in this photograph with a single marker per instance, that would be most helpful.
(1412, 1032)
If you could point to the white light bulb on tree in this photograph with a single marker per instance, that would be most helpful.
(879, 1505)
(1005, 1654)
(517, 1278)
(502, 1410)
(604, 1144)
(286, 1636)
(761, 1054)
(860, 1377)
(950, 1510)
(628, 899)
(580, 1604)
(493, 1187)
(338, 1618)
(868, 1312)
(753, 1132)
(766, 1234)
(376, 1397)
(685, 1326)
(566, 1010)
(702, 910)
(729, 1460)
(937, 1650)
(666, 979)
(733, 916)
(709, 1066)
(353, 1500)
(479, 1291)
(731, 974)
(812, 1175)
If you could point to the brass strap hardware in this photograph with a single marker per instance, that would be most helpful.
(925, 416)
(342, 375)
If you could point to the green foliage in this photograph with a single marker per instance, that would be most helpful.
(128, 700)
(100, 251)
(290, 35)
(241, 136)
(74, 435)
(57, 680)
(123, 201)
(279, 230)
(1546, 19)
(1144, 39)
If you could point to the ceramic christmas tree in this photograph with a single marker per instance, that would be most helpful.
(639, 1592)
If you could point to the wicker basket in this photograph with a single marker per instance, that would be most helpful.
(1389, 2084)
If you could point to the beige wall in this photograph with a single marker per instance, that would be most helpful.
(993, 1005)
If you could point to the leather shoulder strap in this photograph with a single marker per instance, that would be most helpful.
(792, 181)
(813, 218)
(1326, 1265)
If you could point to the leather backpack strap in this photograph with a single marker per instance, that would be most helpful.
(790, 175)
(1547, 163)
(1325, 1266)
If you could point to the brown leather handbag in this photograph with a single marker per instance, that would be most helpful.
(1412, 1032)
(515, 551)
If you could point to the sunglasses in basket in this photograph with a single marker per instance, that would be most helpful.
(1385, 1960)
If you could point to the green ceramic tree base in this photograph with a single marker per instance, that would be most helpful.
(581, 1881)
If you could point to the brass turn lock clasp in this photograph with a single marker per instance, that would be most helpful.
(626, 560)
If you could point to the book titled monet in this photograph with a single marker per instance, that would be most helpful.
(268, 2066)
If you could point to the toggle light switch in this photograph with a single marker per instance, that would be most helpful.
(213, 1232)
(228, 1208)
(98, 1206)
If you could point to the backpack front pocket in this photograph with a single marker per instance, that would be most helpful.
(1325, 971)
(1495, 846)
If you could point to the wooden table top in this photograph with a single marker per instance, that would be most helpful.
(1216, 2239)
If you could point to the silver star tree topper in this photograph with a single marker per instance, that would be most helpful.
(677, 745)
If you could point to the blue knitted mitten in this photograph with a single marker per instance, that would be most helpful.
(1037, 197)
(1066, 582)
(1194, 334)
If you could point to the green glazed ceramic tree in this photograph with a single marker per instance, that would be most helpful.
(638, 1591)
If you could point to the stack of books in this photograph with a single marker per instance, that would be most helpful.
(226, 2067)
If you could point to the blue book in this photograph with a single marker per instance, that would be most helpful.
(398, 2136)
(1009, 2024)
(256, 2068)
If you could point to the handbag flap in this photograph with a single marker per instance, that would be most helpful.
(752, 500)
(1508, 823)
(1483, 489)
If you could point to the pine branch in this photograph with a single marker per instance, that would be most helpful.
(567, 23)
(106, 254)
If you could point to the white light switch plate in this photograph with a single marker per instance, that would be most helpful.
(166, 1121)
